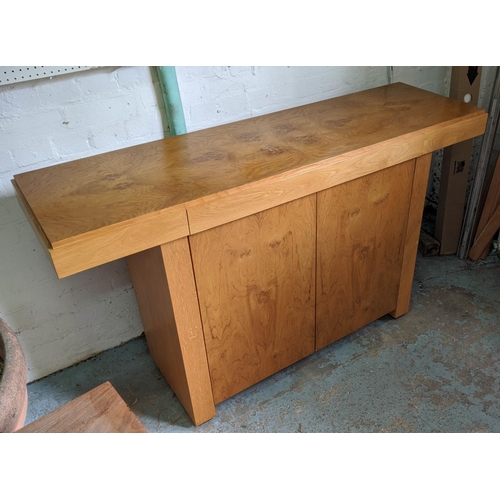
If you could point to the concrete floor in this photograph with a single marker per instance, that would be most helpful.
(436, 369)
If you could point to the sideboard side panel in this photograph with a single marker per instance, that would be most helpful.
(166, 294)
(420, 180)
(361, 240)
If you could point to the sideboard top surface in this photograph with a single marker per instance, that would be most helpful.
(73, 199)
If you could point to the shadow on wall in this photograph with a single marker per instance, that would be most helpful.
(59, 322)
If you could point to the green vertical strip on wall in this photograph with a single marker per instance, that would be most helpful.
(172, 99)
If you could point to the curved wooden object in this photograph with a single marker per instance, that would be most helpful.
(13, 391)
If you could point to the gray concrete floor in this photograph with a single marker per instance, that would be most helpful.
(436, 369)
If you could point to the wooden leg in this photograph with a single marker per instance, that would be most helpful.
(166, 293)
(420, 180)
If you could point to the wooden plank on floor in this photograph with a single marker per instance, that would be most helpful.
(97, 411)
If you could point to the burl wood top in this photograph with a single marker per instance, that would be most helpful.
(76, 198)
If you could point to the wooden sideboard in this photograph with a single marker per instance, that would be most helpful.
(254, 244)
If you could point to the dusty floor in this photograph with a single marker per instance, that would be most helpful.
(436, 369)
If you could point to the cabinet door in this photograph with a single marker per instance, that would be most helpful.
(361, 236)
(256, 286)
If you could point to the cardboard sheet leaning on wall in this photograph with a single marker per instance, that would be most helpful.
(465, 83)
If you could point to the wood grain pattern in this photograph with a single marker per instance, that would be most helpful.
(255, 280)
(491, 203)
(164, 284)
(238, 202)
(73, 200)
(412, 235)
(121, 240)
(361, 237)
(243, 195)
(99, 410)
(486, 235)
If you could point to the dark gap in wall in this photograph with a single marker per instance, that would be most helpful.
(429, 219)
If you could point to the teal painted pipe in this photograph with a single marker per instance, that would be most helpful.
(172, 99)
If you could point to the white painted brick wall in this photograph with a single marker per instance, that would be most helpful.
(42, 123)
(216, 95)
(45, 122)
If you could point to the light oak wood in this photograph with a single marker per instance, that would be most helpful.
(166, 294)
(240, 202)
(251, 164)
(491, 203)
(486, 235)
(117, 242)
(255, 280)
(412, 235)
(361, 233)
(243, 195)
(111, 243)
(220, 208)
(97, 411)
